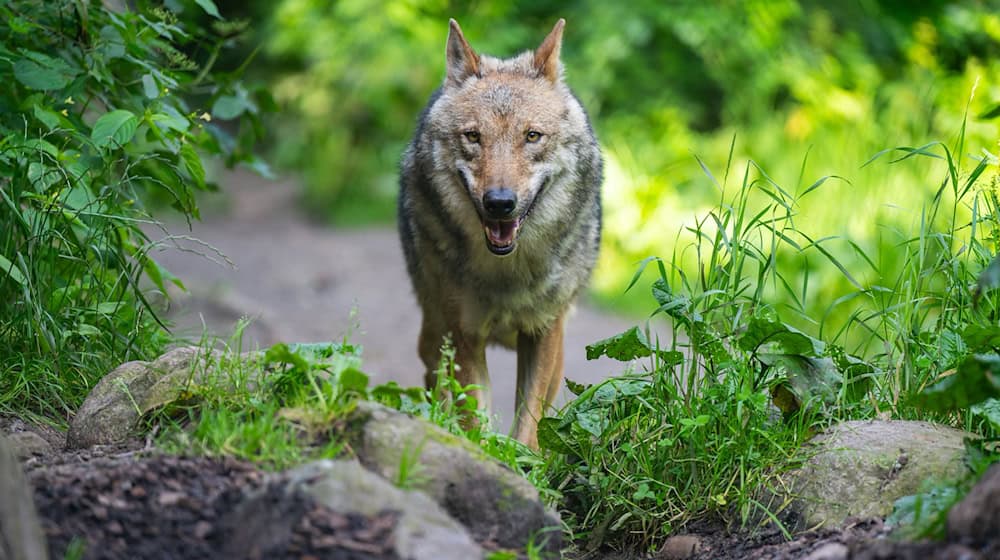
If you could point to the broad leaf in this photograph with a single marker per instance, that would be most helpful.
(630, 345)
(804, 380)
(982, 338)
(988, 410)
(769, 335)
(550, 437)
(209, 7)
(42, 72)
(976, 379)
(149, 86)
(231, 106)
(114, 129)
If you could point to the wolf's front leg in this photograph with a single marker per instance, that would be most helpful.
(539, 375)
(470, 359)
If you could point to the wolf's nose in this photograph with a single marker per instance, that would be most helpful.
(499, 203)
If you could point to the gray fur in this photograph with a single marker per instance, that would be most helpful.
(558, 181)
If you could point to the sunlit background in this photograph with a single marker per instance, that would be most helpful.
(804, 89)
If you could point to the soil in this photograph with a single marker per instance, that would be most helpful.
(128, 505)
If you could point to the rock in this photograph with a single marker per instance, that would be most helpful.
(21, 536)
(495, 503)
(422, 531)
(829, 551)
(860, 468)
(111, 411)
(977, 517)
(28, 444)
(679, 547)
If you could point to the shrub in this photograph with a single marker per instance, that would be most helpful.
(101, 110)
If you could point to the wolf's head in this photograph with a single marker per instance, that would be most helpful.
(506, 133)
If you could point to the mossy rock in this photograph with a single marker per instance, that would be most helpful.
(483, 494)
(111, 412)
(860, 468)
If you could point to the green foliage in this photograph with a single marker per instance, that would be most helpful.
(696, 434)
(838, 80)
(292, 403)
(102, 110)
(283, 407)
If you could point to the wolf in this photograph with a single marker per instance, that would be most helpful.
(499, 215)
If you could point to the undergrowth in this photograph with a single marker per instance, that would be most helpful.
(294, 402)
(102, 108)
(717, 413)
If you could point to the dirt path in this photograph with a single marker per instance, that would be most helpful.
(301, 281)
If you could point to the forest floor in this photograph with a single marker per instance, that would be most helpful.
(300, 282)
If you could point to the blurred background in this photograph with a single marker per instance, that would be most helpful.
(688, 98)
(803, 88)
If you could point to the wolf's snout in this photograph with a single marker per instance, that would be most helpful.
(499, 203)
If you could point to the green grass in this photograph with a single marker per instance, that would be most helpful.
(718, 412)
(98, 115)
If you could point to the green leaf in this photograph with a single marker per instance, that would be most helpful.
(42, 72)
(630, 345)
(574, 387)
(988, 410)
(49, 118)
(982, 338)
(11, 271)
(149, 86)
(209, 7)
(42, 176)
(551, 437)
(674, 306)
(352, 379)
(114, 129)
(231, 106)
(769, 335)
(858, 374)
(593, 421)
(171, 119)
(976, 379)
(804, 380)
(923, 514)
(192, 163)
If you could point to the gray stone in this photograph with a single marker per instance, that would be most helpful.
(424, 530)
(679, 547)
(29, 444)
(977, 517)
(111, 411)
(860, 468)
(494, 502)
(21, 536)
(829, 551)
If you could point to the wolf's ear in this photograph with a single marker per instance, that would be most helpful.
(461, 60)
(547, 55)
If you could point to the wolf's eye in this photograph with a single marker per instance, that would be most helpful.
(472, 136)
(532, 136)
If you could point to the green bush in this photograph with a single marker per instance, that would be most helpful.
(102, 110)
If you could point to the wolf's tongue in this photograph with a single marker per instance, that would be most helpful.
(501, 233)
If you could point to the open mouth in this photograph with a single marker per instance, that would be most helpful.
(501, 235)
